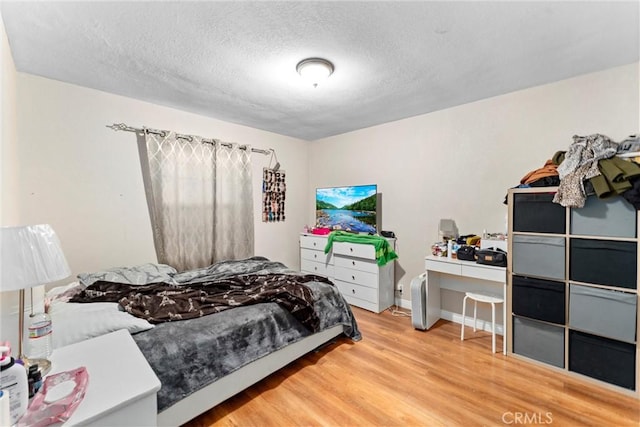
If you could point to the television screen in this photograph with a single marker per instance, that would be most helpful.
(353, 208)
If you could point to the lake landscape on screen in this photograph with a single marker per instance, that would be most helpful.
(349, 208)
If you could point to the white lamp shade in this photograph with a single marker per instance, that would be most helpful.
(30, 256)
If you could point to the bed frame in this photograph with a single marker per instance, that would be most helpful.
(222, 389)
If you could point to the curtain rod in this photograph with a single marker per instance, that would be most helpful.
(126, 128)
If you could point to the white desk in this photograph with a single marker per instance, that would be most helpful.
(122, 387)
(489, 278)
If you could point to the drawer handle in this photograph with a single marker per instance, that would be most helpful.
(353, 277)
(353, 290)
(314, 243)
(353, 262)
(315, 268)
(315, 255)
(351, 249)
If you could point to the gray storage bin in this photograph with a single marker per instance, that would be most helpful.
(603, 312)
(539, 341)
(613, 217)
(539, 256)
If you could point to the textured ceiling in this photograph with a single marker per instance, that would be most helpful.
(235, 61)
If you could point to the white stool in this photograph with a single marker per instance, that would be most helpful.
(482, 297)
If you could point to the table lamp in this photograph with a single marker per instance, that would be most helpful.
(30, 256)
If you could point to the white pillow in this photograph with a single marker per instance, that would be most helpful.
(63, 293)
(73, 322)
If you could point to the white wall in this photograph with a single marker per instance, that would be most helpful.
(85, 179)
(8, 143)
(458, 163)
(9, 213)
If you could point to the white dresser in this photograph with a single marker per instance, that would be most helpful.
(353, 269)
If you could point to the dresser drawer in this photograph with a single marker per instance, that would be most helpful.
(313, 242)
(356, 250)
(359, 264)
(317, 256)
(361, 278)
(313, 267)
(356, 291)
(367, 305)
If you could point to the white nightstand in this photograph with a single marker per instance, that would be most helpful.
(122, 386)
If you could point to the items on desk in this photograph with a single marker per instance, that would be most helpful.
(467, 253)
(35, 379)
(13, 382)
(449, 247)
(447, 229)
(56, 402)
(492, 256)
(496, 240)
(439, 249)
(469, 239)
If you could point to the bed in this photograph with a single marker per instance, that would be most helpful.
(204, 360)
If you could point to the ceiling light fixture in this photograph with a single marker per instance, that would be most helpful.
(314, 70)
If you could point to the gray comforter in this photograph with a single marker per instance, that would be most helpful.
(190, 354)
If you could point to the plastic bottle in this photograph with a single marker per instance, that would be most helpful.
(40, 333)
(13, 379)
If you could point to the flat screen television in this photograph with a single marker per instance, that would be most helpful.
(352, 208)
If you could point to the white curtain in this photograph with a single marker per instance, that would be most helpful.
(200, 199)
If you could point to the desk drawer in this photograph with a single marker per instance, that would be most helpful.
(356, 264)
(313, 267)
(444, 267)
(477, 271)
(361, 278)
(356, 291)
(356, 250)
(312, 242)
(317, 256)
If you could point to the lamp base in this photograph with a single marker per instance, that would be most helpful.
(44, 365)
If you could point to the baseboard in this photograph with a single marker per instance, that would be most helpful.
(403, 303)
(482, 324)
(456, 317)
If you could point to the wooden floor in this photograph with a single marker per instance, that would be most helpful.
(397, 376)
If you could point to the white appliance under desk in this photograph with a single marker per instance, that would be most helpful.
(462, 276)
